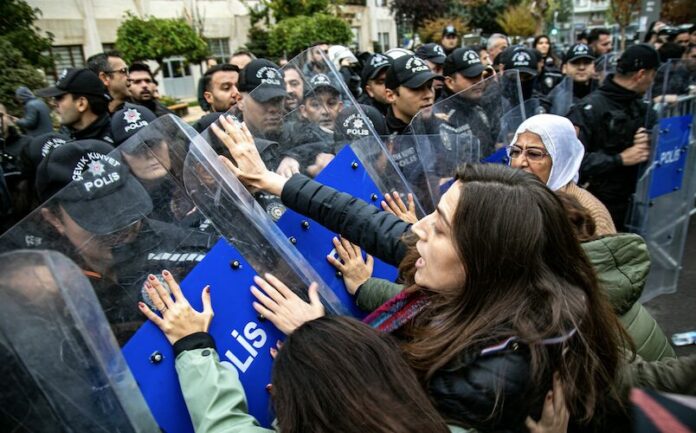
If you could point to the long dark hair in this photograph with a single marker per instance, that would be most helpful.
(526, 276)
(336, 374)
(550, 55)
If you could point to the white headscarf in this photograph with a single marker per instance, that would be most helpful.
(566, 151)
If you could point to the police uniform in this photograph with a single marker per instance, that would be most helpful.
(83, 82)
(460, 116)
(158, 246)
(608, 119)
(372, 68)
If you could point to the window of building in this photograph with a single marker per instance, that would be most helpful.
(355, 43)
(383, 40)
(176, 68)
(68, 56)
(219, 49)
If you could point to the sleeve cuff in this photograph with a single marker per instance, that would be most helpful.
(198, 340)
(291, 187)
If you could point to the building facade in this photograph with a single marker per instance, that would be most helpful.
(82, 28)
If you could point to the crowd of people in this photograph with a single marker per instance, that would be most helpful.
(516, 306)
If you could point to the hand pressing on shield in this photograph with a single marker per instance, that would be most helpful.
(248, 165)
(178, 319)
(397, 207)
(354, 269)
(280, 305)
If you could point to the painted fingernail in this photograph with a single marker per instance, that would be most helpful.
(269, 387)
(166, 273)
(273, 352)
(207, 289)
(151, 277)
(141, 305)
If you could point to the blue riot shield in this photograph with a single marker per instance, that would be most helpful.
(664, 197)
(164, 202)
(321, 122)
(347, 173)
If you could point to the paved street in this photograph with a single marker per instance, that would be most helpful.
(677, 312)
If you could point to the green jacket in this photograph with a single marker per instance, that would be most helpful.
(215, 397)
(622, 264)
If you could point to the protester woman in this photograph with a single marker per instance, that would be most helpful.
(499, 292)
(333, 374)
(546, 145)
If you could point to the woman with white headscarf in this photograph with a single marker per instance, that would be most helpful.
(547, 146)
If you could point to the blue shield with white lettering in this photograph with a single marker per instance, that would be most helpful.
(664, 197)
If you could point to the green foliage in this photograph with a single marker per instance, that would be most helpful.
(159, 38)
(414, 12)
(284, 9)
(482, 14)
(16, 71)
(257, 42)
(168, 101)
(293, 35)
(17, 27)
(517, 21)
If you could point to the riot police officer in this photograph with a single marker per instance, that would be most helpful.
(611, 123)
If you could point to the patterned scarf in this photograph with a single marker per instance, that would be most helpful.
(394, 313)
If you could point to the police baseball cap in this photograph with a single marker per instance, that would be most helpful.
(449, 30)
(577, 52)
(95, 189)
(637, 57)
(319, 83)
(465, 61)
(521, 58)
(432, 52)
(38, 148)
(130, 119)
(353, 125)
(409, 71)
(78, 81)
(373, 66)
(263, 80)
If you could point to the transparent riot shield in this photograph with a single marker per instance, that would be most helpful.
(295, 127)
(561, 97)
(605, 65)
(62, 368)
(464, 127)
(477, 110)
(664, 197)
(310, 139)
(160, 202)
